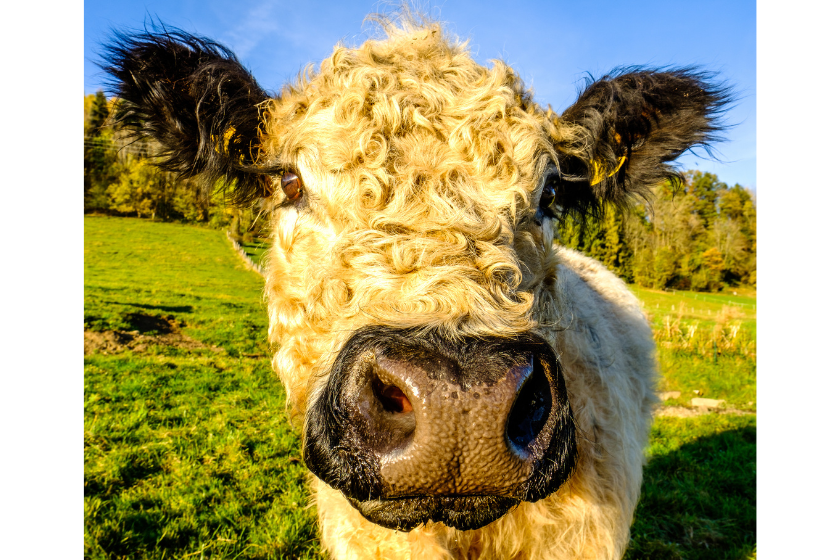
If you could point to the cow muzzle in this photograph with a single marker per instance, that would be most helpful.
(414, 427)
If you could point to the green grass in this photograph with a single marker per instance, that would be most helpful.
(732, 378)
(139, 274)
(188, 455)
(189, 452)
(711, 363)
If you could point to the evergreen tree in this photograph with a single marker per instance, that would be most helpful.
(704, 189)
(98, 113)
(99, 156)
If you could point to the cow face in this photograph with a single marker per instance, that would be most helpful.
(411, 290)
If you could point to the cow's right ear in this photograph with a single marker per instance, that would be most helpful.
(195, 99)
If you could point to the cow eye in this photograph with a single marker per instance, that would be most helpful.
(548, 196)
(566, 192)
(292, 186)
(549, 192)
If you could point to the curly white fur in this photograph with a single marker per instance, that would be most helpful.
(421, 169)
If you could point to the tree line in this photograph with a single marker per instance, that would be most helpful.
(699, 235)
(121, 180)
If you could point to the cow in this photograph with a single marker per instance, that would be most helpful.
(466, 387)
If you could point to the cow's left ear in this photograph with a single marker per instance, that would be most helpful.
(627, 127)
(195, 99)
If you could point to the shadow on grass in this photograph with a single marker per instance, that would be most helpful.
(119, 317)
(698, 500)
(167, 308)
(152, 324)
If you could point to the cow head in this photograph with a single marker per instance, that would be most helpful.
(412, 291)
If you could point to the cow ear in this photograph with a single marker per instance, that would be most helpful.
(195, 99)
(627, 127)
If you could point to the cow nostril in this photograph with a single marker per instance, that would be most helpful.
(530, 411)
(391, 397)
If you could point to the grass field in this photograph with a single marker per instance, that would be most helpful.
(707, 345)
(189, 452)
(188, 447)
(694, 306)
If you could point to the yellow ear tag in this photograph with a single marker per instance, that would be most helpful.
(226, 137)
(599, 173)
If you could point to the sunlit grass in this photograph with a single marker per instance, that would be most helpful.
(712, 357)
(694, 306)
(187, 452)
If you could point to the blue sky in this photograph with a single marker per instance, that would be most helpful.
(553, 45)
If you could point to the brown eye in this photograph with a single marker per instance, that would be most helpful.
(292, 185)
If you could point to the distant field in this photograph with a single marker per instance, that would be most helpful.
(189, 452)
(695, 306)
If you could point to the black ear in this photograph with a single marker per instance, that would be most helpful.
(632, 123)
(193, 97)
